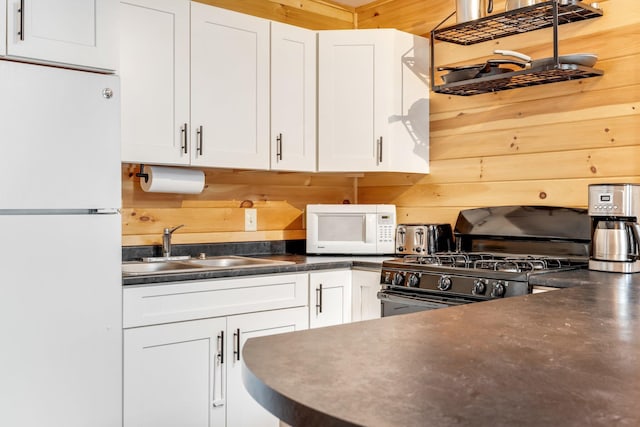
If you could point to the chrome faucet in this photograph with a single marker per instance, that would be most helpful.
(166, 240)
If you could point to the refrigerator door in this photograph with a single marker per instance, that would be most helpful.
(59, 137)
(60, 321)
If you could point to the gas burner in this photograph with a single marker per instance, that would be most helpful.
(525, 263)
(450, 259)
(490, 261)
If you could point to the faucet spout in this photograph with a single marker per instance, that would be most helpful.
(166, 240)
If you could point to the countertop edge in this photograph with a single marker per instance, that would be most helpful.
(301, 264)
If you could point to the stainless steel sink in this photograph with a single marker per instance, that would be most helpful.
(139, 268)
(196, 264)
(234, 262)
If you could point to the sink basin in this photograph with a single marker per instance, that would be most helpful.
(196, 264)
(136, 268)
(234, 262)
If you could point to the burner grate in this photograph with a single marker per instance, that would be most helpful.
(490, 261)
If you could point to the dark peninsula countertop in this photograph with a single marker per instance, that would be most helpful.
(569, 357)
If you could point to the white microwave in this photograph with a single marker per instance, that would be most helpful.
(351, 229)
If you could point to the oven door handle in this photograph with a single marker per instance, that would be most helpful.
(423, 301)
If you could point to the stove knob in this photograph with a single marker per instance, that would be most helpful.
(444, 283)
(400, 248)
(479, 287)
(413, 281)
(398, 279)
(498, 290)
(417, 250)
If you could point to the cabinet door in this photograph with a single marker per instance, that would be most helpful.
(76, 32)
(242, 410)
(365, 304)
(293, 98)
(353, 86)
(329, 298)
(229, 88)
(173, 374)
(154, 71)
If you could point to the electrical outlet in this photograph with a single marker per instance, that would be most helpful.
(250, 220)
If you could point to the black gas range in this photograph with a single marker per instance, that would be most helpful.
(497, 251)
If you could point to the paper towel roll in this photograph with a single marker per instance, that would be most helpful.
(163, 179)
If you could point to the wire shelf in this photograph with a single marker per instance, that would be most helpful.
(517, 21)
(518, 79)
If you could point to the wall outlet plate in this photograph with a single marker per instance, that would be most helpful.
(250, 220)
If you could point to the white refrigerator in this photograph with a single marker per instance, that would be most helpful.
(60, 254)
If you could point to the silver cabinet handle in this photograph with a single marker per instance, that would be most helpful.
(379, 141)
(279, 146)
(319, 298)
(221, 347)
(185, 132)
(217, 402)
(200, 135)
(236, 344)
(21, 12)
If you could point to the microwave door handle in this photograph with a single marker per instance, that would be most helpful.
(370, 228)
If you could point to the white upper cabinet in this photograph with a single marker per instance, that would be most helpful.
(373, 101)
(154, 71)
(293, 98)
(81, 33)
(230, 89)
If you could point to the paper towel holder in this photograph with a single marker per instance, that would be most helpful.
(141, 174)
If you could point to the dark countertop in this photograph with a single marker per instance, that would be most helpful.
(570, 357)
(300, 263)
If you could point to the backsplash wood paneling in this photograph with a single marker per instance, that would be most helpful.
(541, 145)
(217, 214)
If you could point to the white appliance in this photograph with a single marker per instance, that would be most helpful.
(60, 253)
(351, 229)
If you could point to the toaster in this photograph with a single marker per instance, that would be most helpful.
(423, 239)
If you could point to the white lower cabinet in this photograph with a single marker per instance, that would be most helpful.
(189, 372)
(329, 298)
(242, 409)
(365, 303)
(173, 374)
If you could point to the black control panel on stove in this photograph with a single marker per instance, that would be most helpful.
(454, 284)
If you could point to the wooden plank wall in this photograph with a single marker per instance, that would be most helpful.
(541, 145)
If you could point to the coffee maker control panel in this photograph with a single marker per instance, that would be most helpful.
(618, 200)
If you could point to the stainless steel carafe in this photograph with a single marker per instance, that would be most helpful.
(616, 241)
(469, 10)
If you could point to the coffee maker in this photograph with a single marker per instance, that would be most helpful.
(615, 227)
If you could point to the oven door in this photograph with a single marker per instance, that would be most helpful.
(401, 302)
